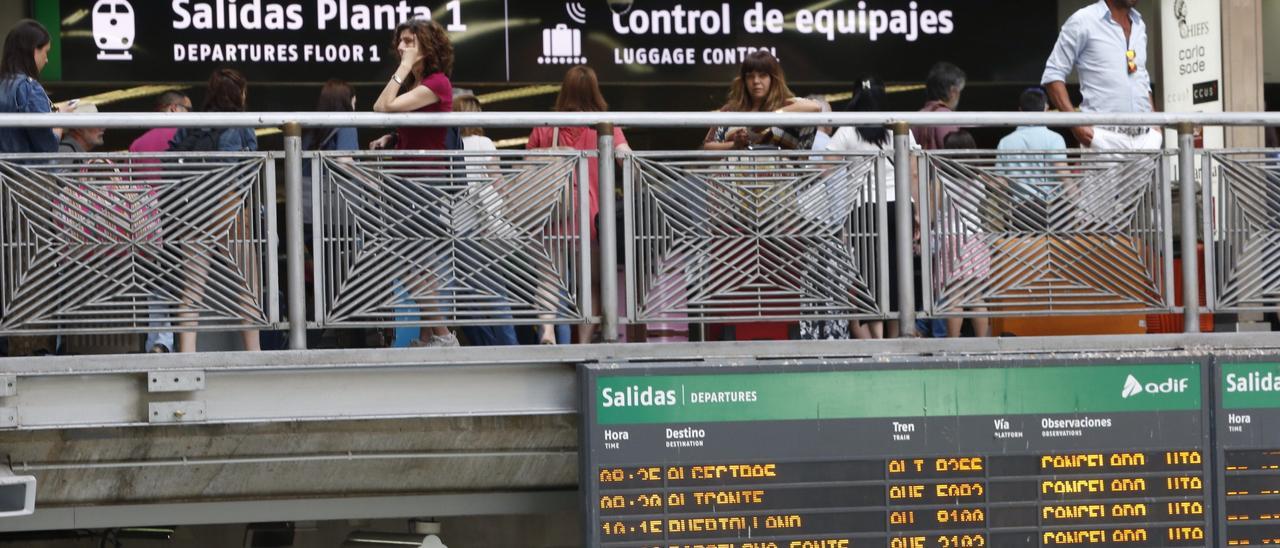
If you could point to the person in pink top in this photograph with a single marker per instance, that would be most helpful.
(420, 84)
(157, 140)
(580, 92)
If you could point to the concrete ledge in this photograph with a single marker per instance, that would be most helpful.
(440, 505)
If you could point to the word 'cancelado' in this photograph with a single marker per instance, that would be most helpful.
(1100, 536)
(1117, 485)
(1121, 510)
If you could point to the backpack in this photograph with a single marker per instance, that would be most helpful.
(308, 142)
(453, 138)
(453, 141)
(197, 140)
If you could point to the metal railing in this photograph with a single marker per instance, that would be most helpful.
(1242, 220)
(738, 236)
(100, 243)
(1035, 232)
(453, 238)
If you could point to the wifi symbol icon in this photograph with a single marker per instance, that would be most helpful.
(576, 12)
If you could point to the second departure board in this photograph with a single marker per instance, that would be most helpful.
(1249, 443)
(920, 455)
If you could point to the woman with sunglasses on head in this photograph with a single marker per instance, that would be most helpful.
(760, 86)
(420, 84)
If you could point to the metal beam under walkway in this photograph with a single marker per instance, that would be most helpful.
(136, 440)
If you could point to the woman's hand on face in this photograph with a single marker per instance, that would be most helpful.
(410, 56)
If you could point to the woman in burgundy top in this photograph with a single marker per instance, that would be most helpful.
(420, 84)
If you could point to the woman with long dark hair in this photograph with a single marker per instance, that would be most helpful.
(420, 84)
(760, 86)
(869, 96)
(335, 96)
(26, 52)
(228, 91)
(580, 92)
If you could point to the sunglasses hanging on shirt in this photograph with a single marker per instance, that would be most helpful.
(1132, 58)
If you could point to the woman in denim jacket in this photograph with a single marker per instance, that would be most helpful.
(26, 52)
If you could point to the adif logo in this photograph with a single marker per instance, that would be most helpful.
(113, 29)
(1133, 387)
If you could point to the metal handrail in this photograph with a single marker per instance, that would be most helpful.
(631, 119)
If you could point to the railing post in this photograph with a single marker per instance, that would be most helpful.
(905, 219)
(1190, 262)
(605, 235)
(293, 230)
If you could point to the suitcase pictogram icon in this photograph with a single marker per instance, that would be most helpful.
(562, 45)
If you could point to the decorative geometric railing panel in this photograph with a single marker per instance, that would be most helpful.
(716, 237)
(100, 243)
(1023, 233)
(1242, 220)
(454, 238)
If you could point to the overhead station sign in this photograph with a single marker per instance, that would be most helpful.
(268, 40)
(508, 41)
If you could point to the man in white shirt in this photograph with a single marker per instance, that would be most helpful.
(1106, 45)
